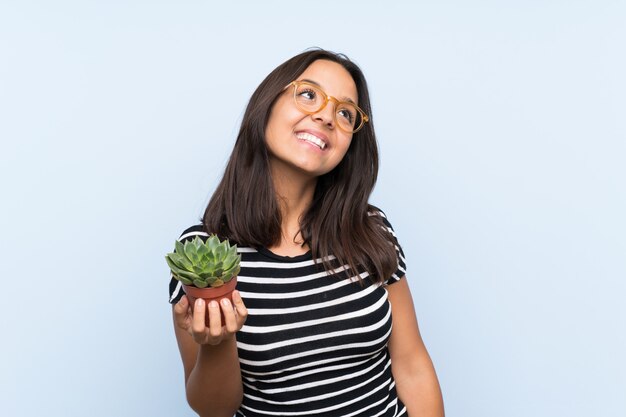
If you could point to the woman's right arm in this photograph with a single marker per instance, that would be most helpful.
(211, 364)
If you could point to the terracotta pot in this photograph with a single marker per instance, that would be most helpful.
(210, 293)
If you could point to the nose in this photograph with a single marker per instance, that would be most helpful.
(326, 114)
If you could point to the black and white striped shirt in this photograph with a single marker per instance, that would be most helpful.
(313, 344)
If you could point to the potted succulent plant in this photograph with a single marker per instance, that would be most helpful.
(207, 270)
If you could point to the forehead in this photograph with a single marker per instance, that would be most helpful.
(334, 79)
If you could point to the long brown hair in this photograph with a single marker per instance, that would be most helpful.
(245, 208)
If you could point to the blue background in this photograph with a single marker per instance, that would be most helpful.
(503, 140)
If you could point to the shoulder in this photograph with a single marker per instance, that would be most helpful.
(376, 211)
(199, 230)
(380, 215)
(385, 224)
(192, 231)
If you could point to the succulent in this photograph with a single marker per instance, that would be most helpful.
(204, 264)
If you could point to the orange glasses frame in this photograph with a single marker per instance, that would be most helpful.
(327, 98)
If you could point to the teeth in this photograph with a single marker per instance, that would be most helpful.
(312, 139)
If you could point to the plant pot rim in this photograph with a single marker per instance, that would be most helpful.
(211, 292)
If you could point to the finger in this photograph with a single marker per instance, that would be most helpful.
(230, 321)
(182, 305)
(197, 322)
(215, 319)
(240, 307)
(179, 307)
(181, 312)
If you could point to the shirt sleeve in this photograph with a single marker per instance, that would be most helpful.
(401, 267)
(175, 286)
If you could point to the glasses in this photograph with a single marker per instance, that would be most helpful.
(311, 99)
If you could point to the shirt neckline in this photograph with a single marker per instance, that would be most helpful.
(305, 256)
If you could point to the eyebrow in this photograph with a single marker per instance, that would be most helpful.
(318, 84)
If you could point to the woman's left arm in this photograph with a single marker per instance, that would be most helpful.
(412, 369)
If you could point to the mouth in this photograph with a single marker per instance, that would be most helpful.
(308, 137)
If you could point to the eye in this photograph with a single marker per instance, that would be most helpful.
(346, 114)
(307, 94)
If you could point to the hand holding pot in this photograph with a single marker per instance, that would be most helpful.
(211, 331)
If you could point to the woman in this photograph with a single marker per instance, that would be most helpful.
(322, 274)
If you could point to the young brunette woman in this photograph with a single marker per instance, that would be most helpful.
(322, 322)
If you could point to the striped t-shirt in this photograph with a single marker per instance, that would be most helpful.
(314, 344)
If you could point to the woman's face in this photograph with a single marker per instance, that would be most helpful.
(288, 132)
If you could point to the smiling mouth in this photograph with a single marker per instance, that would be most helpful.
(311, 139)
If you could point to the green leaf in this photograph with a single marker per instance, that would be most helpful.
(230, 261)
(199, 269)
(206, 259)
(179, 248)
(199, 283)
(232, 268)
(201, 265)
(236, 270)
(181, 261)
(237, 261)
(210, 258)
(191, 252)
(189, 275)
(197, 242)
(203, 250)
(184, 280)
(207, 275)
(213, 242)
(217, 283)
(220, 252)
(175, 269)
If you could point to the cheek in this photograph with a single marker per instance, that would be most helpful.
(345, 145)
(277, 123)
(283, 116)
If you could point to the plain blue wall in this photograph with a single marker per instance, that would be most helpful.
(502, 134)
